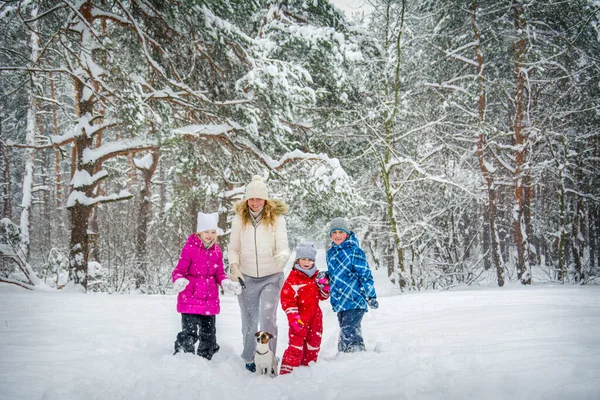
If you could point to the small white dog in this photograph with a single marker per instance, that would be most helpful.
(266, 363)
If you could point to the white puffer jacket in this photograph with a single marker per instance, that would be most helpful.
(260, 251)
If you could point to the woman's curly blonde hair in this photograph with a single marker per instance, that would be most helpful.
(272, 210)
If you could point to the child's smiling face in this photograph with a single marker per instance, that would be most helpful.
(338, 236)
(305, 263)
(208, 236)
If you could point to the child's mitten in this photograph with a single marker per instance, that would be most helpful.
(323, 282)
(180, 284)
(372, 302)
(322, 279)
(296, 323)
(231, 287)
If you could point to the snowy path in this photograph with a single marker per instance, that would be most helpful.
(511, 343)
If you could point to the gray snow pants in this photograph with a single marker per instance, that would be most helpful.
(258, 304)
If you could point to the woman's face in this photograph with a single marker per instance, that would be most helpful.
(208, 236)
(306, 263)
(256, 204)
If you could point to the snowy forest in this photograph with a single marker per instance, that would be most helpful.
(461, 138)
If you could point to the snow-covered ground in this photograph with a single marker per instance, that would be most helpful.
(540, 342)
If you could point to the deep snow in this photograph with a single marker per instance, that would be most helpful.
(539, 342)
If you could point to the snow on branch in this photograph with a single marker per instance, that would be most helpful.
(444, 85)
(81, 198)
(96, 13)
(42, 15)
(298, 155)
(416, 166)
(117, 148)
(419, 128)
(206, 130)
(82, 178)
(220, 130)
(145, 162)
(83, 125)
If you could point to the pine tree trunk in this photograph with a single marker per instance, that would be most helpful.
(78, 255)
(56, 130)
(80, 212)
(530, 252)
(561, 268)
(389, 259)
(6, 187)
(144, 218)
(597, 234)
(519, 220)
(94, 236)
(399, 271)
(487, 175)
(576, 245)
(386, 172)
(486, 239)
(27, 201)
(592, 235)
(31, 133)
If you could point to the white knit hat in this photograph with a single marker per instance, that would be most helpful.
(257, 189)
(207, 222)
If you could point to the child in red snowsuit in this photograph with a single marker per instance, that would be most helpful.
(300, 297)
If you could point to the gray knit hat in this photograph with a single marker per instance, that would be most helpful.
(339, 224)
(306, 250)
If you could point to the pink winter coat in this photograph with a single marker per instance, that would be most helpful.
(204, 269)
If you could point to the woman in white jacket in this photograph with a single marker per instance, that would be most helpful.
(258, 250)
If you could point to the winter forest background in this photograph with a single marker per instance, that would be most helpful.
(460, 138)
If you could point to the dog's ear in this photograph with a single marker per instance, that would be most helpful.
(270, 336)
(257, 334)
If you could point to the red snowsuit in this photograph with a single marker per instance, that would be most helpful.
(300, 296)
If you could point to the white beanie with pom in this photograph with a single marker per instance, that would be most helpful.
(257, 189)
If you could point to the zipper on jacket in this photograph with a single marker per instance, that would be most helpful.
(256, 251)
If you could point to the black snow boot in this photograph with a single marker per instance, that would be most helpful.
(208, 353)
(184, 342)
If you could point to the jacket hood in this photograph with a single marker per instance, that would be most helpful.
(272, 210)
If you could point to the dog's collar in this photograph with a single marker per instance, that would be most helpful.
(262, 354)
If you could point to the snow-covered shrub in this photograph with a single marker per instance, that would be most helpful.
(56, 270)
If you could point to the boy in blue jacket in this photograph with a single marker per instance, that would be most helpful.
(352, 287)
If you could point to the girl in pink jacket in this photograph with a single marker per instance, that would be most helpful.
(196, 276)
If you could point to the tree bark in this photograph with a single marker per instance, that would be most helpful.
(31, 133)
(487, 175)
(521, 144)
(592, 235)
(386, 172)
(144, 218)
(58, 190)
(6, 187)
(79, 212)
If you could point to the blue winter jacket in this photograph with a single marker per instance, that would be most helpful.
(350, 277)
